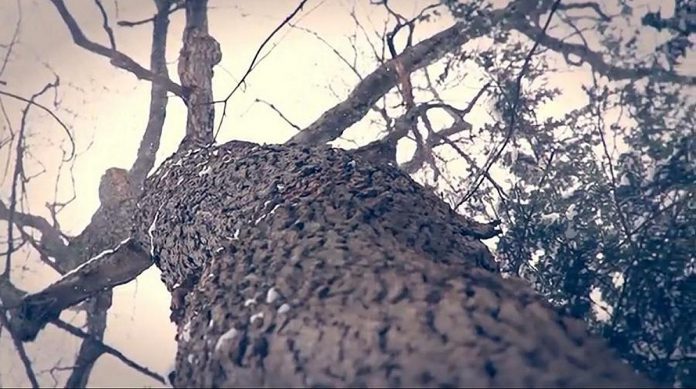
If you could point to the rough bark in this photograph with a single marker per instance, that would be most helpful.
(314, 267)
(199, 54)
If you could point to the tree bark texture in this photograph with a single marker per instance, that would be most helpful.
(199, 54)
(311, 266)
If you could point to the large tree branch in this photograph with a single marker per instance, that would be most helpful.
(150, 142)
(597, 60)
(334, 121)
(368, 91)
(109, 269)
(118, 59)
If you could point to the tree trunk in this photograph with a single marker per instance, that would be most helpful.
(311, 266)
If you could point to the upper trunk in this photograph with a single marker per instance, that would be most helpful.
(199, 54)
(313, 267)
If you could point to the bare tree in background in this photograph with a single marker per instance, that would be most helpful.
(305, 265)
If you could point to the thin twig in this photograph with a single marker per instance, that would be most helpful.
(273, 107)
(253, 63)
(125, 23)
(18, 170)
(513, 111)
(13, 41)
(53, 115)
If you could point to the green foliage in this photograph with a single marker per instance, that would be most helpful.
(600, 210)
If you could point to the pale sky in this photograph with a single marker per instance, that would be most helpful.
(107, 108)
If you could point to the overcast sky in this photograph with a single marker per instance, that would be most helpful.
(107, 109)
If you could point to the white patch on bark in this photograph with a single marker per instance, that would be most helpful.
(186, 332)
(96, 258)
(272, 295)
(283, 308)
(149, 233)
(205, 171)
(226, 338)
(267, 214)
(256, 316)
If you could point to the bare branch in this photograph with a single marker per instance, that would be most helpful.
(55, 265)
(20, 351)
(51, 240)
(253, 62)
(472, 162)
(177, 6)
(367, 92)
(273, 107)
(596, 60)
(149, 144)
(10, 46)
(333, 49)
(105, 24)
(53, 115)
(118, 59)
(587, 4)
(109, 269)
(107, 349)
(96, 309)
(19, 171)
